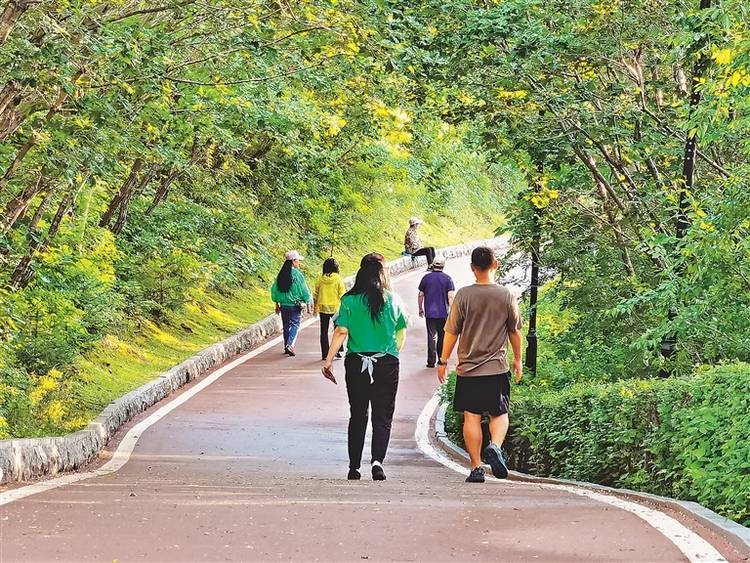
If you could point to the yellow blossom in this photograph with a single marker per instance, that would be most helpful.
(723, 56)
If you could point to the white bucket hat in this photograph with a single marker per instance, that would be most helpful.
(293, 255)
(415, 221)
(438, 263)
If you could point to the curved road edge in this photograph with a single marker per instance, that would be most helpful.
(30, 459)
(433, 442)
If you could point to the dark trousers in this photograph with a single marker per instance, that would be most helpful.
(325, 323)
(363, 391)
(435, 335)
(427, 251)
(290, 319)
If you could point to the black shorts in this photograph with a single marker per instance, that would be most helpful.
(483, 394)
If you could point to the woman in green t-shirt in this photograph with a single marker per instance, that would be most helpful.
(374, 322)
(291, 295)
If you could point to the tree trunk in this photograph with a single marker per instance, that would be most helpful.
(10, 172)
(10, 97)
(10, 15)
(122, 215)
(121, 195)
(24, 271)
(18, 206)
(163, 190)
(590, 163)
(39, 213)
(682, 223)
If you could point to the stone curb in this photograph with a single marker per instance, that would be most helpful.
(31, 458)
(736, 534)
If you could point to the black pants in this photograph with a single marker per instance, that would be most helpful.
(427, 251)
(435, 334)
(363, 391)
(325, 323)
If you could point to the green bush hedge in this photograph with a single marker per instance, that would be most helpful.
(686, 438)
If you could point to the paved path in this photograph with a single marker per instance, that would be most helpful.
(253, 468)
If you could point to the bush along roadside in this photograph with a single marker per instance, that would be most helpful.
(685, 438)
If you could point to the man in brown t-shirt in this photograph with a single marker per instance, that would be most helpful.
(485, 316)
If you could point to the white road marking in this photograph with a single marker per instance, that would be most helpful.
(126, 447)
(694, 547)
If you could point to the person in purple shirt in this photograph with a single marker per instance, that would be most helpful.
(436, 292)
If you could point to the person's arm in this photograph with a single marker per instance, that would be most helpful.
(340, 334)
(316, 298)
(400, 339)
(449, 343)
(420, 301)
(516, 341)
(451, 292)
(515, 337)
(305, 290)
(276, 297)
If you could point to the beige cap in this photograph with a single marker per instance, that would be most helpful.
(415, 221)
(293, 255)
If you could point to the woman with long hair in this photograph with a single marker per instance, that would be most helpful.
(291, 295)
(374, 321)
(327, 296)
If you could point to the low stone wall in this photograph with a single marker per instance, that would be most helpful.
(31, 458)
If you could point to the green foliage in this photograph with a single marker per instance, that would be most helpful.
(593, 102)
(158, 160)
(683, 437)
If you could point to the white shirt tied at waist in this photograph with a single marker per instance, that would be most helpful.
(368, 362)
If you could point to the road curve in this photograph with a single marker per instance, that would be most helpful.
(253, 468)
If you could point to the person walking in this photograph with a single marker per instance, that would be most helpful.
(485, 317)
(291, 295)
(374, 321)
(436, 291)
(327, 296)
(413, 244)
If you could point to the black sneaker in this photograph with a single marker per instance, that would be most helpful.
(377, 473)
(476, 475)
(354, 475)
(430, 365)
(289, 351)
(494, 456)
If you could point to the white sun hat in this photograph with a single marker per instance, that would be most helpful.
(293, 255)
(415, 221)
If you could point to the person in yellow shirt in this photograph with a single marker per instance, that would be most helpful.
(327, 295)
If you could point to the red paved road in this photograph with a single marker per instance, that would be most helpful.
(253, 467)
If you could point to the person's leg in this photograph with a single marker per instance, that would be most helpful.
(325, 321)
(358, 391)
(285, 324)
(499, 428)
(430, 255)
(426, 253)
(473, 437)
(295, 314)
(383, 397)
(440, 328)
(499, 422)
(431, 336)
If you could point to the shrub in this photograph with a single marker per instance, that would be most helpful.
(686, 437)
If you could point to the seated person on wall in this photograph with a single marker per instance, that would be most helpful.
(413, 245)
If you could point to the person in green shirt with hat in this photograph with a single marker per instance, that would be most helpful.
(374, 321)
(291, 295)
